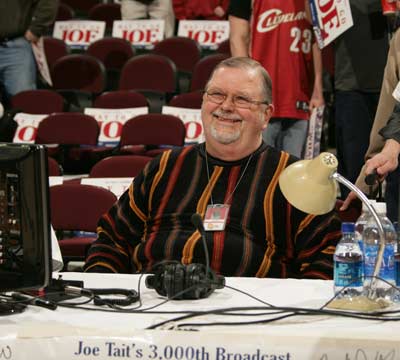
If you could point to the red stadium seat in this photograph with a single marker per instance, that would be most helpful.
(192, 100)
(105, 12)
(76, 207)
(120, 99)
(38, 101)
(119, 166)
(54, 49)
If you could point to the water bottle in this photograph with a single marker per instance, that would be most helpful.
(360, 224)
(371, 245)
(348, 262)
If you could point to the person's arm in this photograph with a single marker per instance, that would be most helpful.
(317, 96)
(239, 36)
(43, 16)
(121, 229)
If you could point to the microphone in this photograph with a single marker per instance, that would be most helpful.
(197, 221)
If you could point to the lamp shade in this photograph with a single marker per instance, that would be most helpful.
(308, 184)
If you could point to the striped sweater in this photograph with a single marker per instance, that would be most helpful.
(264, 236)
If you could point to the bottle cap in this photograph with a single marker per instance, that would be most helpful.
(364, 206)
(380, 208)
(347, 227)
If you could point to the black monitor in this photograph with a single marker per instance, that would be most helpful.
(25, 239)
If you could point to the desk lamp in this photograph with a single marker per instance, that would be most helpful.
(311, 186)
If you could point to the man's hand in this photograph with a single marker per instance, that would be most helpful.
(219, 11)
(385, 161)
(31, 37)
(352, 196)
(317, 100)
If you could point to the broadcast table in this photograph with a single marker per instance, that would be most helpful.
(72, 333)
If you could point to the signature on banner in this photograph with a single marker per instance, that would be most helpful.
(5, 352)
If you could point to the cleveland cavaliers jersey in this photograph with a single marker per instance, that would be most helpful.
(282, 42)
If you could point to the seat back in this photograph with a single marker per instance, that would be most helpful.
(183, 51)
(54, 49)
(112, 52)
(224, 47)
(54, 168)
(105, 12)
(120, 99)
(203, 70)
(68, 129)
(149, 72)
(119, 166)
(38, 101)
(192, 100)
(79, 72)
(79, 207)
(64, 12)
(153, 129)
(82, 7)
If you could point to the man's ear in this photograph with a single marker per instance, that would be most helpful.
(268, 111)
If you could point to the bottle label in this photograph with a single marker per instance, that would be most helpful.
(348, 273)
(387, 270)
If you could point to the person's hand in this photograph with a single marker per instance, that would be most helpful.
(31, 37)
(219, 11)
(385, 161)
(346, 203)
(317, 100)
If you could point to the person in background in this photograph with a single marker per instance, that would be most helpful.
(383, 150)
(22, 22)
(153, 9)
(291, 56)
(360, 57)
(201, 9)
(257, 232)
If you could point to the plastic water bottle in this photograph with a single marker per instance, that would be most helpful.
(371, 246)
(360, 224)
(348, 262)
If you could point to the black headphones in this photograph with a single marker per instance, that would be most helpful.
(177, 281)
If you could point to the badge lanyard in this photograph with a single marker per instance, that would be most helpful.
(217, 214)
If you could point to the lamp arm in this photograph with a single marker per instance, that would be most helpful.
(341, 179)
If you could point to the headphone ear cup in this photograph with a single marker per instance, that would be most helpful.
(174, 277)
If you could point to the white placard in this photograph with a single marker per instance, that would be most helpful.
(27, 127)
(116, 185)
(79, 33)
(56, 180)
(111, 122)
(207, 33)
(313, 142)
(330, 18)
(41, 61)
(192, 120)
(140, 33)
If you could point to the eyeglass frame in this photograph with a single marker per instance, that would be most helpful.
(250, 102)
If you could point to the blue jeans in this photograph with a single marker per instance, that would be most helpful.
(355, 112)
(287, 134)
(17, 67)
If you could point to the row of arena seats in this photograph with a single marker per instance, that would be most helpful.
(174, 66)
(72, 138)
(48, 101)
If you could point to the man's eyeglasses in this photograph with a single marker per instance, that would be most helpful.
(239, 101)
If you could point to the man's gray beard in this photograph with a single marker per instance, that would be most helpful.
(225, 138)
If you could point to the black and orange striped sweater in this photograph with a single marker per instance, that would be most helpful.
(264, 235)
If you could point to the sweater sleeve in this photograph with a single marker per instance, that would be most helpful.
(122, 228)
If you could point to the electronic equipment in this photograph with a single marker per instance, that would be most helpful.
(193, 281)
(25, 242)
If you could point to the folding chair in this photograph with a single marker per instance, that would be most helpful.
(113, 53)
(153, 75)
(77, 207)
(204, 69)
(38, 101)
(151, 134)
(79, 78)
(119, 166)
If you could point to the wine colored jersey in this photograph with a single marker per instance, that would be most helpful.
(281, 40)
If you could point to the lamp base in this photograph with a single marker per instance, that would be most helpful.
(359, 303)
